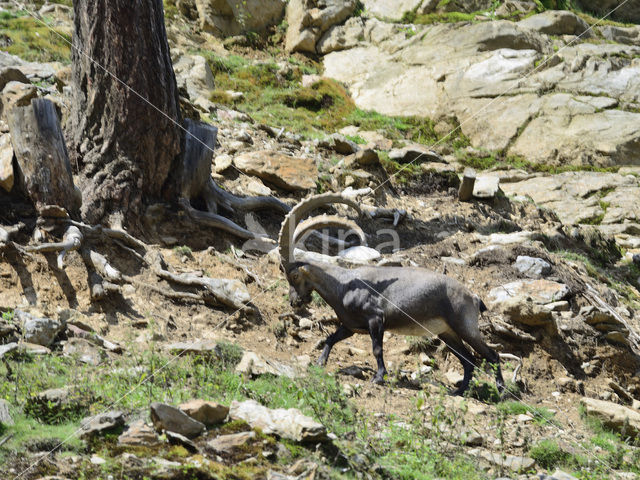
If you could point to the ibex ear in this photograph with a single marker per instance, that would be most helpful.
(304, 270)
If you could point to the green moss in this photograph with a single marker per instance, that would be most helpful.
(548, 454)
(541, 415)
(31, 40)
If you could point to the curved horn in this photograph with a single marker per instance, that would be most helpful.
(285, 239)
(325, 221)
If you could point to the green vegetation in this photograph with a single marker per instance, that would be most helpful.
(183, 250)
(441, 17)
(541, 415)
(549, 455)
(24, 36)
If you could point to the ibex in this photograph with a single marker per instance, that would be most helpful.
(410, 301)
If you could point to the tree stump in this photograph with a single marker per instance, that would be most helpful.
(41, 154)
(466, 187)
(197, 158)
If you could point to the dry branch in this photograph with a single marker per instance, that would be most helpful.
(71, 240)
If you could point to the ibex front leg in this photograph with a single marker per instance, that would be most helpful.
(340, 334)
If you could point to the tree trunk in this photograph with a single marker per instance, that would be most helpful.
(125, 146)
(41, 155)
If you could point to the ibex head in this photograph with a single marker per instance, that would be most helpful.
(293, 230)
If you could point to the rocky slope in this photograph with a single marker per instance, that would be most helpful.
(563, 298)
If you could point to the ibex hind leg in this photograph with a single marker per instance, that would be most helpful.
(464, 355)
(490, 355)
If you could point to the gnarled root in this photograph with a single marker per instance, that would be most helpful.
(71, 240)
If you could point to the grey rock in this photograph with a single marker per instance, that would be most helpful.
(38, 330)
(9, 347)
(166, 417)
(204, 348)
(340, 144)
(557, 22)
(360, 253)
(636, 259)
(227, 443)
(254, 365)
(624, 11)
(5, 415)
(12, 74)
(616, 417)
(287, 423)
(532, 291)
(177, 439)
(102, 423)
(6, 162)
(227, 18)
(84, 351)
(532, 267)
(627, 35)
(560, 475)
(390, 10)
(139, 434)
(486, 186)
(208, 413)
(518, 464)
(414, 153)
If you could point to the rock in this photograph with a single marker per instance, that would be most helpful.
(227, 443)
(364, 157)
(529, 291)
(38, 330)
(523, 418)
(390, 10)
(96, 460)
(12, 74)
(16, 94)
(561, 306)
(288, 173)
(616, 417)
(471, 438)
(208, 413)
(254, 365)
(307, 20)
(256, 187)
(560, 475)
(486, 186)
(413, 153)
(286, 423)
(166, 417)
(55, 404)
(139, 434)
(5, 414)
(509, 238)
(532, 267)
(340, 144)
(195, 76)
(8, 348)
(6, 162)
(557, 22)
(84, 351)
(628, 35)
(517, 464)
(203, 348)
(227, 18)
(177, 439)
(340, 37)
(33, 349)
(510, 8)
(601, 320)
(102, 423)
(624, 11)
(360, 254)
(222, 163)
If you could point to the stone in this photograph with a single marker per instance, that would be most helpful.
(616, 417)
(227, 18)
(486, 186)
(166, 417)
(536, 291)
(16, 94)
(177, 439)
(340, 144)
(341, 37)
(38, 330)
(628, 35)
(222, 163)
(288, 173)
(393, 10)
(286, 423)
(517, 464)
(84, 351)
(12, 74)
(560, 475)
(532, 267)
(509, 238)
(33, 349)
(624, 11)
(5, 414)
(414, 153)
(307, 20)
(227, 443)
(6, 162)
(139, 434)
(254, 365)
(208, 413)
(8, 348)
(510, 8)
(471, 438)
(360, 254)
(557, 22)
(57, 402)
(256, 187)
(365, 157)
(204, 348)
(101, 424)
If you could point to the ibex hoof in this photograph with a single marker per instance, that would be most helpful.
(378, 380)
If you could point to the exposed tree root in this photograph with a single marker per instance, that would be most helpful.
(71, 240)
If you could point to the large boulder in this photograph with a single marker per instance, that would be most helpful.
(390, 9)
(39, 330)
(625, 11)
(288, 173)
(616, 417)
(309, 19)
(6, 162)
(556, 22)
(229, 17)
(172, 419)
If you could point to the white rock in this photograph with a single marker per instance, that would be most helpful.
(532, 267)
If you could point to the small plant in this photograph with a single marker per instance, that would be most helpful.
(548, 454)
(183, 250)
(8, 316)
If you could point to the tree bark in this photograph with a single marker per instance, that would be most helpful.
(41, 155)
(125, 146)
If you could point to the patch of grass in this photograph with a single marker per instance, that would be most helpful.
(548, 454)
(31, 40)
(183, 250)
(440, 17)
(541, 415)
